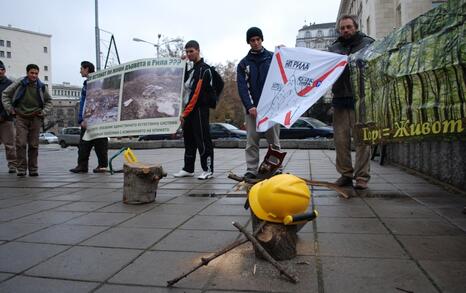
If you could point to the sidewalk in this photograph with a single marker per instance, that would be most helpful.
(64, 232)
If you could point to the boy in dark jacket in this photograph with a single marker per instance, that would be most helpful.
(7, 128)
(350, 41)
(251, 74)
(29, 100)
(195, 117)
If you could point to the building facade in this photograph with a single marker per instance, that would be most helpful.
(65, 99)
(317, 36)
(19, 47)
(377, 18)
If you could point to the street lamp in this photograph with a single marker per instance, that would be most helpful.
(157, 46)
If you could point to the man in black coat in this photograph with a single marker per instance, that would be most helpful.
(350, 41)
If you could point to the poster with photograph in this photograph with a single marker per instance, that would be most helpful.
(136, 98)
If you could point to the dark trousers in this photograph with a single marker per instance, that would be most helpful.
(196, 135)
(84, 150)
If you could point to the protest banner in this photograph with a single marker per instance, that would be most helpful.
(136, 98)
(411, 85)
(297, 78)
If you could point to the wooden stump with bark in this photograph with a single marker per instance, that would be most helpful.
(140, 182)
(278, 240)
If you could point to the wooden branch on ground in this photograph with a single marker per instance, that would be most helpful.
(206, 260)
(329, 185)
(266, 255)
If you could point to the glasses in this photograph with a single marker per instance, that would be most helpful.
(346, 26)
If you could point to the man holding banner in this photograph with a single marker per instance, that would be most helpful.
(100, 144)
(195, 117)
(350, 41)
(251, 75)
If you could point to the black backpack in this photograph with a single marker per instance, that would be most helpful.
(217, 87)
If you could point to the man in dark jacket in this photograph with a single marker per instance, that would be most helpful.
(350, 41)
(29, 100)
(7, 128)
(195, 117)
(251, 74)
(85, 147)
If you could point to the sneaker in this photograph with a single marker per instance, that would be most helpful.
(11, 170)
(344, 181)
(249, 175)
(78, 169)
(360, 184)
(33, 174)
(99, 170)
(21, 173)
(205, 175)
(183, 173)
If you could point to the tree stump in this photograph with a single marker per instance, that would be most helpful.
(140, 182)
(278, 240)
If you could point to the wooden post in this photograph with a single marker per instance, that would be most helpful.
(140, 182)
(278, 240)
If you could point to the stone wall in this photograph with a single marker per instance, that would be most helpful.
(444, 161)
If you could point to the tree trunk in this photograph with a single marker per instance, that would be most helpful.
(140, 182)
(278, 240)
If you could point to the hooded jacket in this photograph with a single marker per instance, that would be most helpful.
(14, 93)
(342, 90)
(250, 76)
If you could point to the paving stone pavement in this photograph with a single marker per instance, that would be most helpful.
(64, 232)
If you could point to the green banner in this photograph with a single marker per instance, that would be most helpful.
(412, 83)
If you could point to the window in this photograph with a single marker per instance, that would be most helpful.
(46, 68)
(308, 34)
(2, 54)
(45, 50)
(319, 33)
(398, 16)
(8, 54)
(436, 3)
(2, 43)
(331, 32)
(368, 25)
(8, 44)
(46, 78)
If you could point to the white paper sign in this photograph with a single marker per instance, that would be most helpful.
(297, 78)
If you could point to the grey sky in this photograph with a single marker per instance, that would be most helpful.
(219, 26)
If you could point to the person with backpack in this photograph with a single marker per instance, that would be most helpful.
(251, 73)
(200, 94)
(29, 101)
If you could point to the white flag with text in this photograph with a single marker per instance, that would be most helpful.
(297, 78)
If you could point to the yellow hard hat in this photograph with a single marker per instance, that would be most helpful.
(278, 197)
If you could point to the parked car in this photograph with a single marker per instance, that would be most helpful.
(69, 136)
(47, 137)
(177, 135)
(226, 131)
(306, 127)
